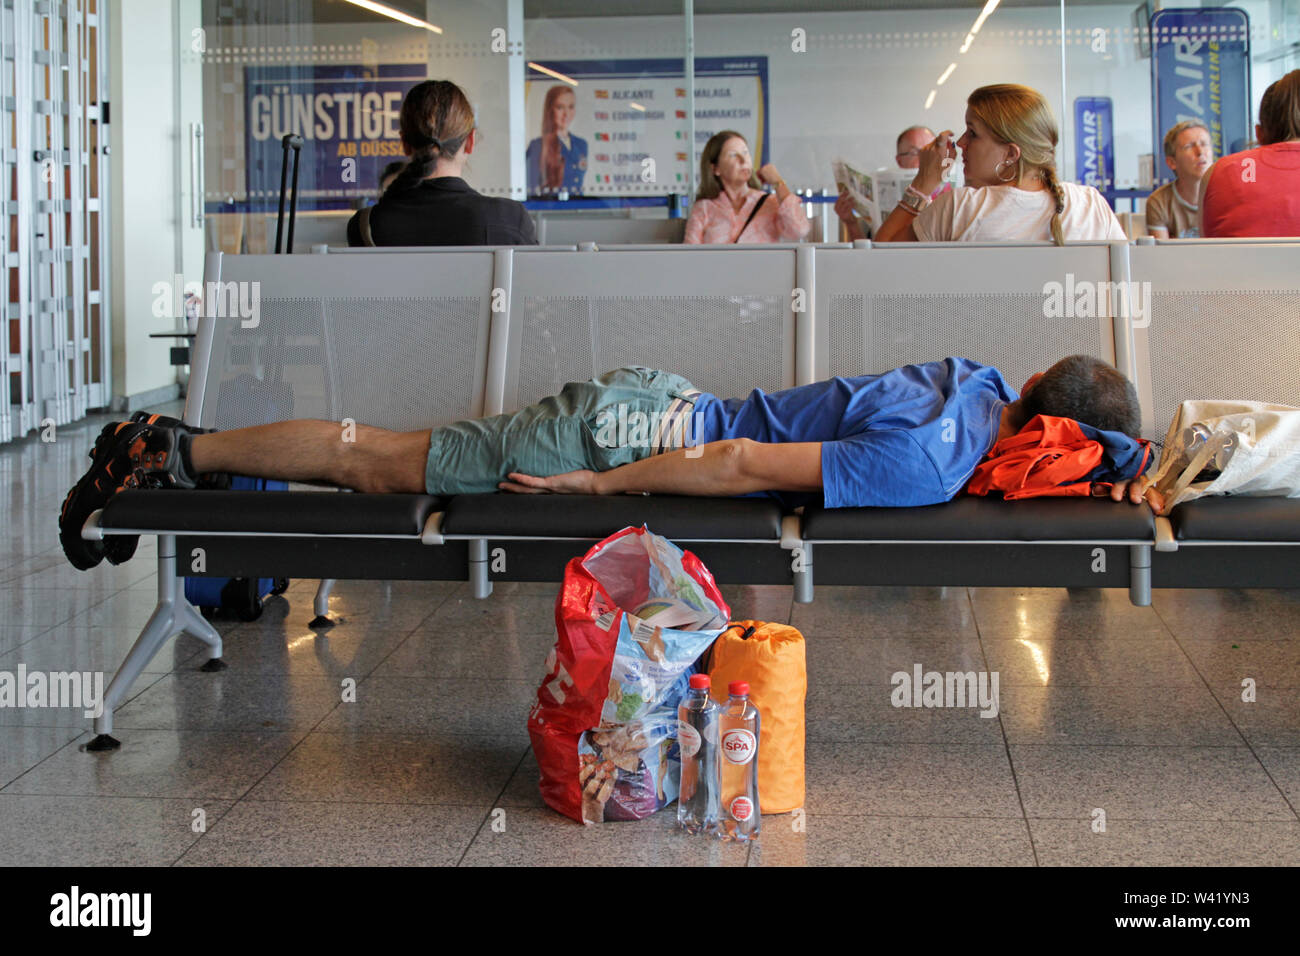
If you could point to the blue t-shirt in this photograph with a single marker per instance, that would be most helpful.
(908, 437)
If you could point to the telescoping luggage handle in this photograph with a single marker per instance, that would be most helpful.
(294, 142)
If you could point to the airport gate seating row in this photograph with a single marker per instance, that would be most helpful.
(411, 338)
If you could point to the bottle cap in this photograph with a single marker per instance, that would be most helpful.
(700, 682)
(738, 688)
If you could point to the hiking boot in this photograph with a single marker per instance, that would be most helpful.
(140, 453)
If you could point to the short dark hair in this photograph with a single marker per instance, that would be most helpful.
(1279, 111)
(1089, 391)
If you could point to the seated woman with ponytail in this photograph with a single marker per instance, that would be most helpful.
(429, 204)
(1012, 190)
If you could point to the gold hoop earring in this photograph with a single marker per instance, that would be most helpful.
(998, 169)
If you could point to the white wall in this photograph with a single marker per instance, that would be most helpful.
(145, 190)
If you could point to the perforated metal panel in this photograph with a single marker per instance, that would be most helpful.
(555, 347)
(1202, 347)
(401, 363)
(847, 335)
(1007, 331)
(727, 345)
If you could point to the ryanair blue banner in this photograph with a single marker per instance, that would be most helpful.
(1094, 139)
(1200, 71)
(348, 119)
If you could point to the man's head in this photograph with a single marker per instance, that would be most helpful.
(910, 143)
(1188, 150)
(1087, 390)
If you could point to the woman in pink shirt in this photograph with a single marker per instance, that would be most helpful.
(1257, 192)
(727, 208)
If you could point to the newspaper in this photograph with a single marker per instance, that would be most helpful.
(861, 188)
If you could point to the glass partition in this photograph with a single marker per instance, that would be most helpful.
(597, 110)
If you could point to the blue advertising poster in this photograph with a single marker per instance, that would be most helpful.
(1200, 71)
(348, 119)
(623, 123)
(1094, 138)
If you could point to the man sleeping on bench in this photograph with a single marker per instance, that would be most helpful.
(908, 437)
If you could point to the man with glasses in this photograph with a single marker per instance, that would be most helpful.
(907, 153)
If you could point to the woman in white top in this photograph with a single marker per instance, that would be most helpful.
(1011, 191)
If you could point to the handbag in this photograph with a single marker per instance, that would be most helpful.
(1230, 448)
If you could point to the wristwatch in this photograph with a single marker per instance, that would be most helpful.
(914, 201)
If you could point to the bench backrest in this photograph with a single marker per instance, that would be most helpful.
(411, 338)
(397, 340)
(898, 304)
(1224, 322)
(720, 317)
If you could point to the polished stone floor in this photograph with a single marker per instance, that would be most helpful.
(1107, 713)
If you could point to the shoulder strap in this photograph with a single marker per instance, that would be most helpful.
(363, 223)
(752, 213)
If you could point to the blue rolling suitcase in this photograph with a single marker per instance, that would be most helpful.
(242, 597)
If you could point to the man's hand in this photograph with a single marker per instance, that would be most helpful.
(569, 483)
(844, 207)
(1137, 490)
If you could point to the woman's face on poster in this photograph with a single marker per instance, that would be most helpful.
(562, 111)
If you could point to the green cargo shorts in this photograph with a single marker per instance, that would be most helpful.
(598, 425)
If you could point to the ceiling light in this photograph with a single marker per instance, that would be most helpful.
(398, 15)
(559, 76)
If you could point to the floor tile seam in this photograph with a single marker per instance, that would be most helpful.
(42, 760)
(206, 830)
(491, 809)
(1006, 744)
(407, 636)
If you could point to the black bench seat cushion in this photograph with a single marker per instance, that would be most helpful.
(1219, 518)
(270, 512)
(677, 517)
(973, 518)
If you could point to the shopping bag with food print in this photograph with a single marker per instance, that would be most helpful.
(632, 617)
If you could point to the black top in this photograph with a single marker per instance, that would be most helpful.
(445, 212)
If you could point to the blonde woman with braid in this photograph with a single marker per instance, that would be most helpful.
(1012, 191)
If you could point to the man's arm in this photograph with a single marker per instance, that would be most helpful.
(736, 466)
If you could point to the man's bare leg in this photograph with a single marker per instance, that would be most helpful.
(378, 460)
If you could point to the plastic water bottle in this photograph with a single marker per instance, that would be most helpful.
(697, 738)
(738, 735)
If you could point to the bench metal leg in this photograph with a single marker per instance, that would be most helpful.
(1139, 571)
(478, 568)
(803, 575)
(321, 604)
(173, 615)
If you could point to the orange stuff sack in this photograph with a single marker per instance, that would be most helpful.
(771, 659)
